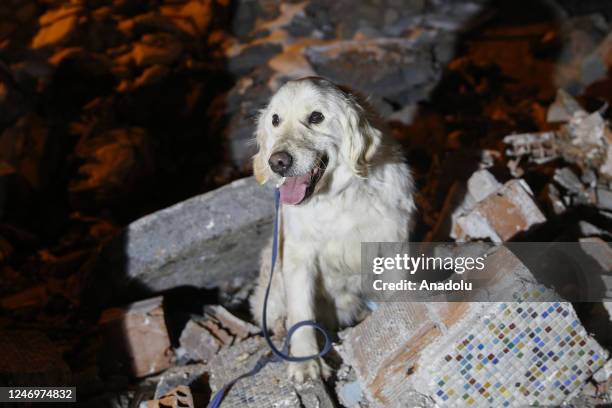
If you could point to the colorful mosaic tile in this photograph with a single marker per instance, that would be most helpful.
(521, 353)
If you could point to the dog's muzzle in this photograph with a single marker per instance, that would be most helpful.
(295, 189)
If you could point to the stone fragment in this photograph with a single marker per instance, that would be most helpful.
(498, 216)
(203, 337)
(576, 193)
(137, 337)
(604, 198)
(563, 107)
(585, 140)
(198, 342)
(56, 33)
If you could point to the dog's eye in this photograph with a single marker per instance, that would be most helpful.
(315, 117)
(275, 120)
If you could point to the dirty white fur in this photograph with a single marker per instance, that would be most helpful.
(365, 195)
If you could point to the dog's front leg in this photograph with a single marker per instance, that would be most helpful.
(300, 276)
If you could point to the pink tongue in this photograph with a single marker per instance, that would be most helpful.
(294, 189)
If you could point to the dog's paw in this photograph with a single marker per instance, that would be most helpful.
(309, 370)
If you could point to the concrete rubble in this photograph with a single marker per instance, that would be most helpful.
(585, 139)
(203, 337)
(493, 211)
(209, 240)
(429, 354)
(270, 387)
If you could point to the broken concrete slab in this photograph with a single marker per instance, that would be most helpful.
(192, 375)
(479, 353)
(563, 107)
(271, 387)
(137, 337)
(498, 216)
(212, 240)
(198, 343)
(576, 192)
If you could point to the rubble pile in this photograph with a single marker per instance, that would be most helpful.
(114, 112)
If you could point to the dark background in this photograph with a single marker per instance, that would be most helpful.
(113, 109)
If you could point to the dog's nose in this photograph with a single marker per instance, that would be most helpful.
(280, 162)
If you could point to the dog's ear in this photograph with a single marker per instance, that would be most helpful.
(259, 168)
(361, 139)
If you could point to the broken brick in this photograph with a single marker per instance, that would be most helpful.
(180, 397)
(500, 215)
(137, 337)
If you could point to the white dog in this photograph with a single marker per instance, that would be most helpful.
(346, 183)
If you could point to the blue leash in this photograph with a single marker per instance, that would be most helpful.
(278, 355)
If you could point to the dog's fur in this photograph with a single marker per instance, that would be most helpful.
(365, 194)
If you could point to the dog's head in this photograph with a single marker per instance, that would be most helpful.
(311, 132)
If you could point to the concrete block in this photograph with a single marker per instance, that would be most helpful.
(198, 342)
(474, 354)
(271, 387)
(500, 215)
(212, 240)
(137, 337)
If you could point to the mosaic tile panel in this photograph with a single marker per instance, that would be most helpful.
(522, 353)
